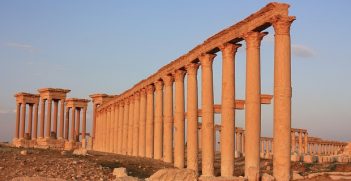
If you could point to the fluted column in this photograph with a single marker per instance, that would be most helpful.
(48, 119)
(179, 126)
(253, 105)
(306, 143)
(42, 117)
(192, 117)
(168, 119)
(30, 121)
(228, 109)
(293, 142)
(62, 113)
(55, 117)
(149, 135)
(67, 123)
(130, 125)
(23, 120)
(73, 116)
(207, 128)
(77, 131)
(125, 127)
(120, 127)
(18, 118)
(35, 126)
(142, 123)
(136, 123)
(282, 98)
(84, 126)
(158, 119)
(300, 143)
(116, 131)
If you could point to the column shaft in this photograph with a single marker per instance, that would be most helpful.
(149, 137)
(306, 143)
(300, 143)
(293, 142)
(42, 117)
(62, 117)
(125, 127)
(179, 126)
(116, 132)
(23, 120)
(94, 121)
(55, 117)
(48, 119)
(35, 126)
(77, 132)
(84, 126)
(30, 121)
(158, 120)
(130, 125)
(18, 118)
(120, 127)
(136, 123)
(67, 123)
(73, 124)
(168, 119)
(142, 128)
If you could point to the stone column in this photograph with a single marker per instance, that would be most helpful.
(42, 117)
(35, 126)
(23, 120)
(111, 129)
(136, 123)
(207, 114)
(77, 131)
(130, 125)
(179, 131)
(192, 117)
(142, 122)
(168, 119)
(149, 135)
(18, 118)
(125, 127)
(300, 143)
(238, 142)
(243, 143)
(227, 138)
(306, 142)
(158, 119)
(120, 127)
(94, 121)
(293, 142)
(55, 117)
(67, 123)
(73, 124)
(30, 121)
(84, 126)
(116, 132)
(253, 105)
(48, 119)
(62, 113)
(282, 98)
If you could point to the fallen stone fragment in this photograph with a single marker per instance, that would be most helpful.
(24, 152)
(127, 178)
(36, 179)
(120, 172)
(173, 174)
(267, 177)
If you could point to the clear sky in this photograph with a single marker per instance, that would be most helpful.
(108, 46)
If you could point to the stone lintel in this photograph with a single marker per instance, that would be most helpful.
(53, 93)
(75, 102)
(266, 99)
(101, 98)
(23, 97)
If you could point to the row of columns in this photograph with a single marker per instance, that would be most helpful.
(150, 113)
(302, 146)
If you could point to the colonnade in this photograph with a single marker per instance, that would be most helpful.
(75, 107)
(317, 146)
(266, 150)
(299, 143)
(151, 124)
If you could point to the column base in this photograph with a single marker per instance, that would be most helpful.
(295, 157)
(50, 143)
(21, 142)
(71, 145)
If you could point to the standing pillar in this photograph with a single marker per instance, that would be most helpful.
(30, 121)
(67, 123)
(192, 117)
(94, 121)
(35, 126)
(179, 126)
(293, 142)
(168, 120)
(149, 141)
(116, 124)
(282, 98)
(142, 130)
(306, 142)
(42, 117)
(125, 127)
(227, 138)
(111, 129)
(84, 126)
(207, 114)
(62, 113)
(55, 117)
(158, 119)
(120, 127)
(253, 105)
(130, 125)
(23, 120)
(243, 143)
(18, 118)
(77, 131)
(48, 119)
(72, 124)
(300, 143)
(136, 123)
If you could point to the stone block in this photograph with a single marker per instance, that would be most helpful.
(267, 177)
(120, 172)
(295, 158)
(309, 159)
(174, 174)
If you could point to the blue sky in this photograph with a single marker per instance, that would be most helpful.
(107, 47)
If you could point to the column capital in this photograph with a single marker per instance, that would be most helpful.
(229, 48)
(126, 101)
(143, 92)
(137, 95)
(158, 85)
(206, 59)
(253, 39)
(192, 68)
(150, 89)
(131, 99)
(281, 24)
(179, 75)
(168, 80)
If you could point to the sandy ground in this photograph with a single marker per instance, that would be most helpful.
(99, 166)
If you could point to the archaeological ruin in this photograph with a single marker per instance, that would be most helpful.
(150, 120)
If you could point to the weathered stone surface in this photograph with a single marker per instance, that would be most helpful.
(173, 174)
(127, 178)
(80, 151)
(120, 172)
(295, 157)
(209, 178)
(297, 176)
(267, 177)
(24, 152)
(37, 179)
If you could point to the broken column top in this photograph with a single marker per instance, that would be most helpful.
(23, 97)
(53, 93)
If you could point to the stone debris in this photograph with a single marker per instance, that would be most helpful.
(80, 152)
(267, 177)
(36, 179)
(173, 174)
(120, 172)
(297, 176)
(24, 152)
